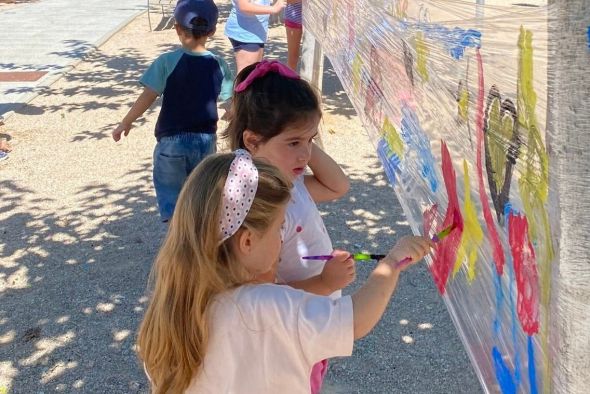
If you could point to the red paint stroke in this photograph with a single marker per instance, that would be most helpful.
(525, 270)
(445, 251)
(492, 234)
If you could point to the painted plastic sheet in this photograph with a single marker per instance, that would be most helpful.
(454, 95)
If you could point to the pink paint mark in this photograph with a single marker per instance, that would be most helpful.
(351, 17)
(428, 218)
(445, 251)
(299, 229)
(525, 270)
(402, 263)
(493, 236)
(374, 95)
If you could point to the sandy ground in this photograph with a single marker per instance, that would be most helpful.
(79, 230)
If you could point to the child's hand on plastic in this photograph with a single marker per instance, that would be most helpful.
(339, 272)
(121, 128)
(409, 246)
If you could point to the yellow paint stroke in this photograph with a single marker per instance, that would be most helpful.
(421, 56)
(357, 65)
(500, 130)
(463, 103)
(392, 137)
(534, 186)
(472, 233)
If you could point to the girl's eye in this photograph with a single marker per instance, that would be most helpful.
(294, 143)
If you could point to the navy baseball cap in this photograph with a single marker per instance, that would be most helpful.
(187, 10)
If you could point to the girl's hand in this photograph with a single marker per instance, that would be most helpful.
(409, 246)
(278, 6)
(338, 272)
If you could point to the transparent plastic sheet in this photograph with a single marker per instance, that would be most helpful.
(454, 95)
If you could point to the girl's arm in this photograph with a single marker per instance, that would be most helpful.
(338, 273)
(313, 285)
(370, 301)
(248, 7)
(328, 181)
(143, 102)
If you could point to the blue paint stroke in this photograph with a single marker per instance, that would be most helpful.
(499, 303)
(455, 40)
(588, 33)
(417, 140)
(391, 162)
(508, 381)
(503, 375)
(532, 368)
(514, 322)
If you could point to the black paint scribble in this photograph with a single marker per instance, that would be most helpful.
(496, 141)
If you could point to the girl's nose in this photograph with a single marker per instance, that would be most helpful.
(305, 154)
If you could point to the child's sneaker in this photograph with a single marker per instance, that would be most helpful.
(3, 155)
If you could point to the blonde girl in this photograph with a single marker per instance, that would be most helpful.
(211, 326)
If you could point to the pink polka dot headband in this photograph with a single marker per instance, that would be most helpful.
(238, 193)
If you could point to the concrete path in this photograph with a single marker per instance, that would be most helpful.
(42, 40)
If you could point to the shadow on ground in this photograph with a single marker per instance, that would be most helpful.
(63, 287)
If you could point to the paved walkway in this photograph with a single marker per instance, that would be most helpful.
(48, 37)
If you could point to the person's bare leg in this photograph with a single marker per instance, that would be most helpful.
(245, 58)
(293, 46)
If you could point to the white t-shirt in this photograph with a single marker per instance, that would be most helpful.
(304, 234)
(266, 338)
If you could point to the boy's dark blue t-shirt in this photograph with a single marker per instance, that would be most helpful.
(190, 84)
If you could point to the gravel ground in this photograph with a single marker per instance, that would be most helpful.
(79, 230)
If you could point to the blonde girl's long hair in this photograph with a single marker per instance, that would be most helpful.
(192, 268)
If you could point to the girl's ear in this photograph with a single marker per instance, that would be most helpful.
(245, 239)
(251, 140)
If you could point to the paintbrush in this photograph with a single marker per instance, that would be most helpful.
(443, 233)
(369, 256)
(435, 238)
(356, 256)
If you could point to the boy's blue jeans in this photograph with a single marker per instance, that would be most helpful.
(174, 159)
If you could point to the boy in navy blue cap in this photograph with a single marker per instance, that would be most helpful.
(190, 80)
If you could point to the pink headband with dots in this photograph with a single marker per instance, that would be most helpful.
(238, 193)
